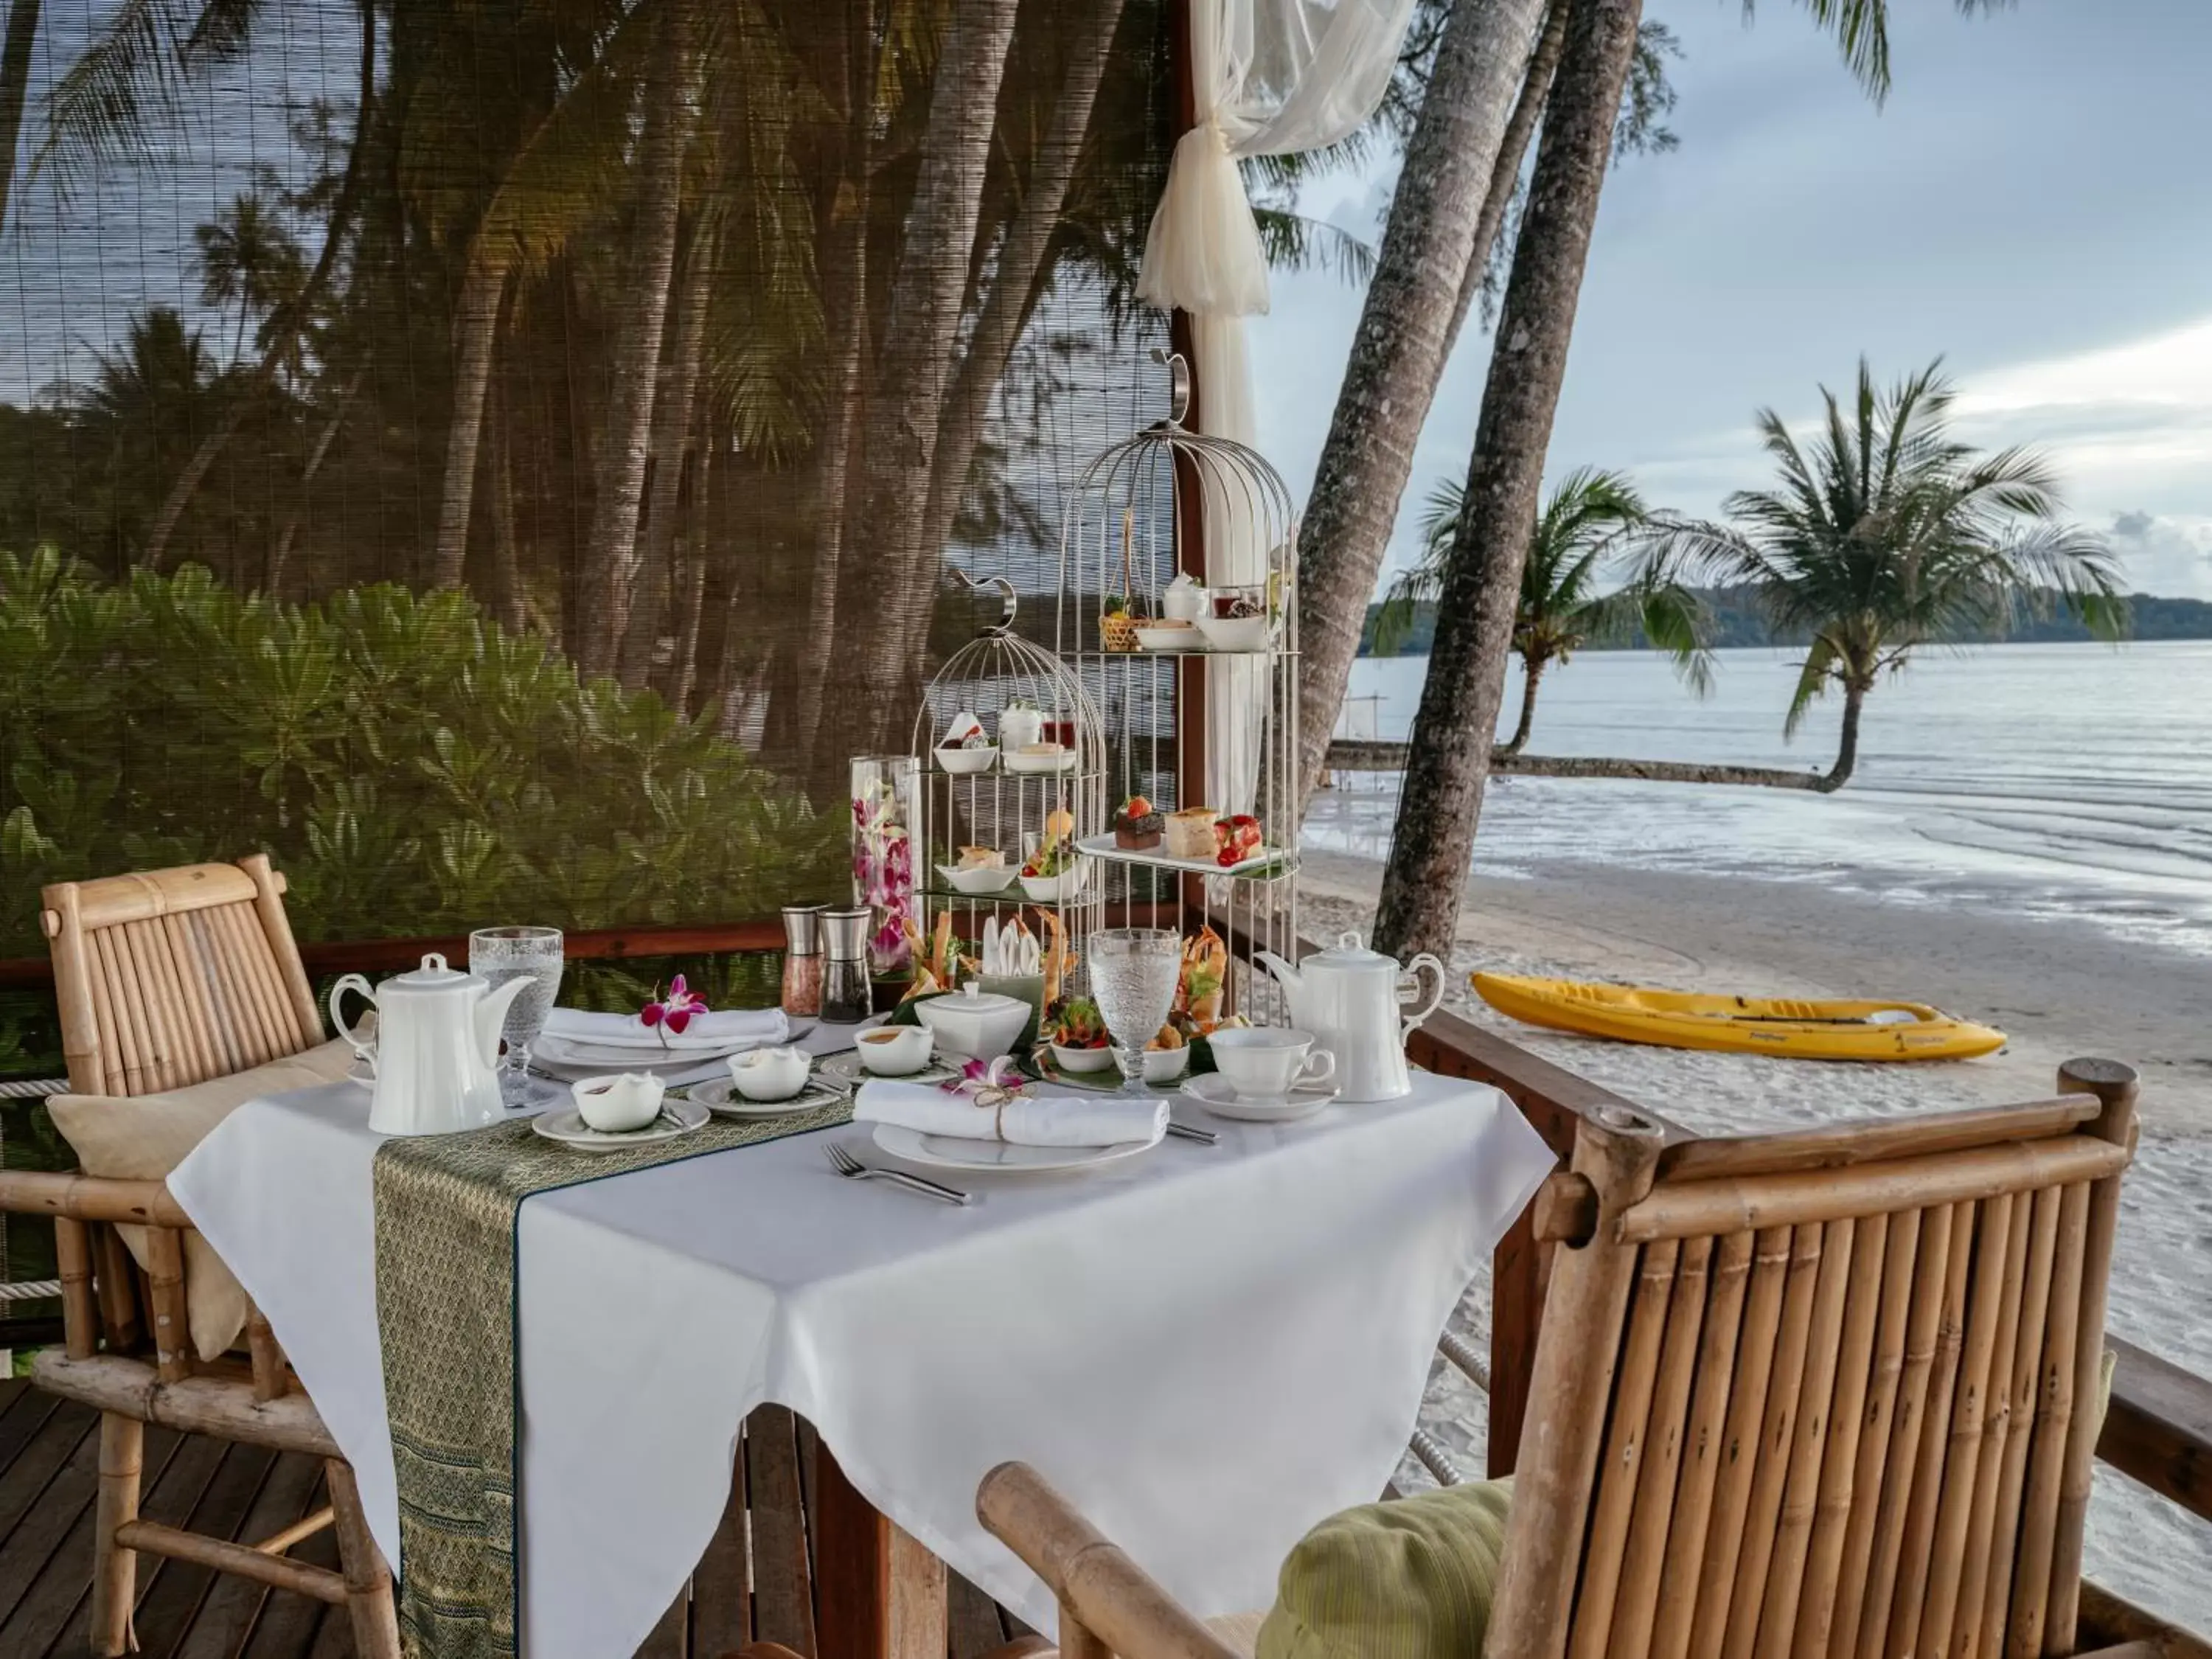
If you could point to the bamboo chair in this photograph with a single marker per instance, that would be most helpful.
(168, 979)
(1831, 1393)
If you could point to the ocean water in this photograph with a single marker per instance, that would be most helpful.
(2057, 780)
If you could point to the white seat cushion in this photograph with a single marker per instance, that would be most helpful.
(143, 1137)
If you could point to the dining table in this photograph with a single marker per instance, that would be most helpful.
(1208, 1348)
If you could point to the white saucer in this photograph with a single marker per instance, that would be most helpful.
(567, 1126)
(844, 1071)
(1211, 1090)
(634, 1056)
(719, 1094)
(957, 1152)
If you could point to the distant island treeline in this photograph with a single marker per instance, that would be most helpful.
(1737, 621)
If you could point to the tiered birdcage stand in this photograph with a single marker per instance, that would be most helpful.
(1236, 684)
(1007, 802)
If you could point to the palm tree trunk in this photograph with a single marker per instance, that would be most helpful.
(671, 433)
(475, 329)
(913, 358)
(281, 556)
(1441, 797)
(1534, 677)
(15, 85)
(1020, 280)
(633, 351)
(1847, 750)
(695, 609)
(842, 261)
(1398, 352)
(285, 328)
(1512, 151)
(505, 551)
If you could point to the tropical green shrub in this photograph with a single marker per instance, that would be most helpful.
(412, 767)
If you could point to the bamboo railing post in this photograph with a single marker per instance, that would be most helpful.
(1982, 1550)
(2020, 1430)
(2054, 1417)
(1702, 1446)
(269, 903)
(2115, 1086)
(73, 1263)
(1576, 1353)
(1833, 1499)
(367, 1580)
(115, 1568)
(1644, 1557)
(173, 1342)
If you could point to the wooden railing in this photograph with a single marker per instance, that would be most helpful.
(2158, 1429)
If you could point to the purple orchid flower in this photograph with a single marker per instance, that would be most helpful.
(672, 1012)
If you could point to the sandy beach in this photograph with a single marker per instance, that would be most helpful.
(2059, 987)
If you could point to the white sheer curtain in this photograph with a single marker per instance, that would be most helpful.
(1272, 77)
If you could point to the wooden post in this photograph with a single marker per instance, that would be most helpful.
(1618, 1150)
(1517, 1303)
(73, 1261)
(172, 1338)
(367, 1580)
(2114, 1084)
(114, 1568)
(879, 1593)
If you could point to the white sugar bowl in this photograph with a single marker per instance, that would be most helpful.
(1182, 600)
(763, 1075)
(617, 1105)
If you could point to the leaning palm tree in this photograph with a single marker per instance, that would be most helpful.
(1886, 534)
(1571, 551)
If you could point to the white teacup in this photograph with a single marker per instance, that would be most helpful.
(1166, 1065)
(896, 1050)
(1263, 1063)
(769, 1075)
(617, 1105)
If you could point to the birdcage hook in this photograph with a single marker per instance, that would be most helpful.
(1178, 384)
(1005, 623)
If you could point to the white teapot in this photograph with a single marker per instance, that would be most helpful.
(436, 1048)
(1348, 998)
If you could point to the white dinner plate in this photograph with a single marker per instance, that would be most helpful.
(719, 1094)
(958, 1152)
(567, 1126)
(634, 1056)
(1211, 1090)
(843, 1071)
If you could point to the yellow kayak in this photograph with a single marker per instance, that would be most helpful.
(1792, 1027)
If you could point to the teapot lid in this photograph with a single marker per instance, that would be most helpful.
(432, 975)
(1349, 954)
(975, 999)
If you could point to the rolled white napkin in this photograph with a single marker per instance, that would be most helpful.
(1035, 1119)
(723, 1030)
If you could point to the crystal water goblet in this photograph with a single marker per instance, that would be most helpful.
(500, 954)
(1133, 973)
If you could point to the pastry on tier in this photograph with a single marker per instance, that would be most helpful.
(1237, 839)
(1189, 833)
(1138, 825)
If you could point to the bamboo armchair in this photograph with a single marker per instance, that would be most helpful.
(168, 979)
(1830, 1392)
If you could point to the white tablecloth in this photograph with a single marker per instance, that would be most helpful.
(1207, 1348)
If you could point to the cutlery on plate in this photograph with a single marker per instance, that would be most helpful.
(853, 1170)
(1203, 1137)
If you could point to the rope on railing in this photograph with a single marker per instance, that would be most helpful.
(31, 1290)
(32, 1088)
(1431, 1452)
(1460, 1352)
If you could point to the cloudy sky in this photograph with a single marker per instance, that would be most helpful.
(2034, 202)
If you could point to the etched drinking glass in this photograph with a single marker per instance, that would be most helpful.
(500, 954)
(1133, 972)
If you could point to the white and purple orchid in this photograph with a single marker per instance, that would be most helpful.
(670, 1013)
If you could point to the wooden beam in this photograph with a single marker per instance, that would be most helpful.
(877, 1593)
(2158, 1429)
(277, 1572)
(218, 1405)
(90, 1198)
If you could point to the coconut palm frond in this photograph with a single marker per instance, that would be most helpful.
(1812, 676)
(1292, 242)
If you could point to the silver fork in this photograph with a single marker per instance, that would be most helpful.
(853, 1170)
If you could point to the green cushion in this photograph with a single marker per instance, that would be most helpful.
(1410, 1579)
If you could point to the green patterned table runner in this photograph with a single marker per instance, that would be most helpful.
(447, 1213)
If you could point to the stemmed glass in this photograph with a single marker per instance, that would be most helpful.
(1134, 971)
(500, 954)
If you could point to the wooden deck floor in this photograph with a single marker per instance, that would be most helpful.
(753, 1581)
